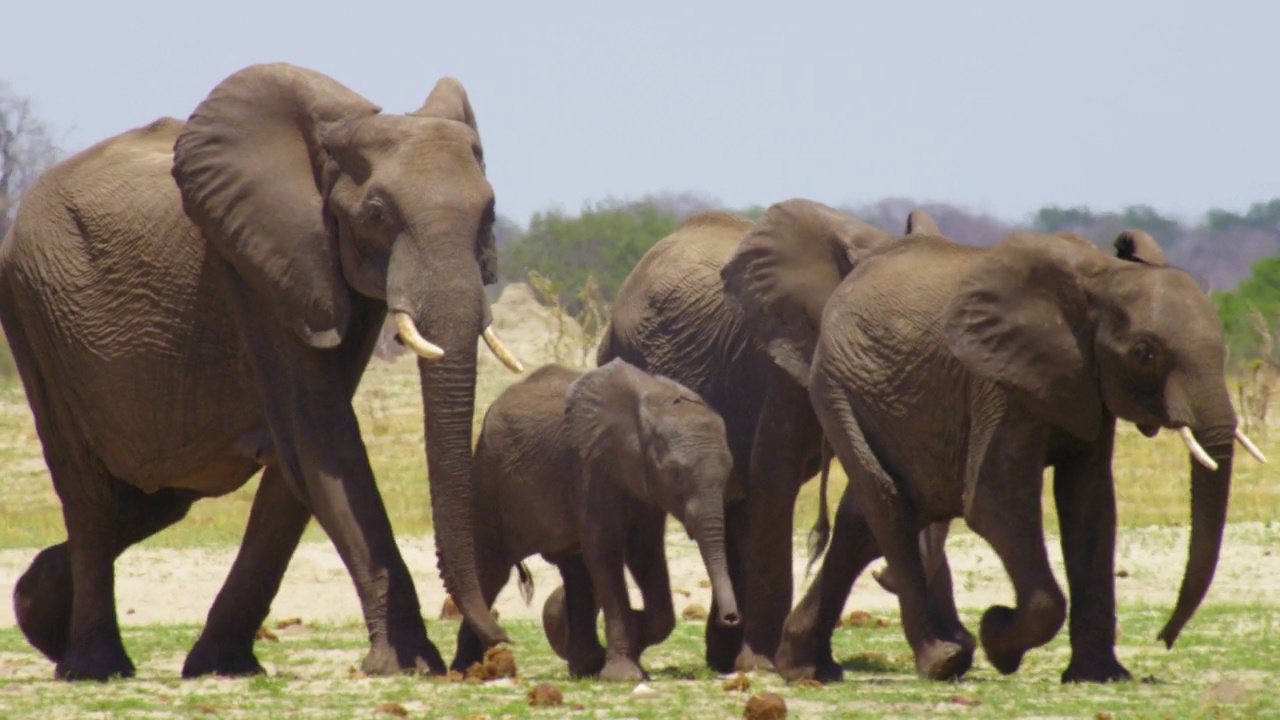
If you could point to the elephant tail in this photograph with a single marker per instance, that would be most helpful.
(820, 533)
(525, 582)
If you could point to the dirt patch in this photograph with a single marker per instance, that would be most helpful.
(318, 588)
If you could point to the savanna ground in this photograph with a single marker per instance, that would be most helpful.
(1225, 664)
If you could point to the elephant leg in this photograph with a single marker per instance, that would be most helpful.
(647, 560)
(276, 522)
(577, 610)
(942, 597)
(805, 652)
(67, 597)
(774, 479)
(305, 395)
(1004, 508)
(895, 526)
(723, 644)
(604, 551)
(1084, 492)
(555, 621)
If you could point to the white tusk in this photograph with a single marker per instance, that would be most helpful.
(500, 351)
(1197, 452)
(1248, 445)
(426, 349)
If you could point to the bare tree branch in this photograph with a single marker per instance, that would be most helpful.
(26, 150)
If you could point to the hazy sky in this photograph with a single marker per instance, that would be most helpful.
(997, 106)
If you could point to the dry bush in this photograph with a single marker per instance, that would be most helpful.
(572, 343)
(1257, 377)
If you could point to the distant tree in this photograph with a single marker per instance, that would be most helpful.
(1053, 218)
(603, 242)
(1260, 216)
(1260, 291)
(1166, 231)
(26, 150)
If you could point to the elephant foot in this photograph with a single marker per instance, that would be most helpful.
(622, 669)
(997, 624)
(796, 662)
(99, 655)
(961, 635)
(208, 657)
(587, 666)
(555, 622)
(749, 660)
(1097, 671)
(387, 659)
(1007, 634)
(42, 602)
(723, 647)
(943, 660)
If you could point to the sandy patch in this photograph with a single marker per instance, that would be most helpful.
(178, 585)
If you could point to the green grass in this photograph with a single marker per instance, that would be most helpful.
(1151, 474)
(1224, 666)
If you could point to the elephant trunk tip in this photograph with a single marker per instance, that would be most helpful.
(729, 618)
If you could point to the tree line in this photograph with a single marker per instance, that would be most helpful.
(1234, 256)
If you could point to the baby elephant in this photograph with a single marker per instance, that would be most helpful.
(583, 469)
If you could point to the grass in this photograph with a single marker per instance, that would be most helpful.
(1151, 474)
(1224, 666)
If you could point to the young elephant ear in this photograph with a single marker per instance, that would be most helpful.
(919, 223)
(250, 165)
(786, 268)
(1020, 318)
(1138, 246)
(448, 100)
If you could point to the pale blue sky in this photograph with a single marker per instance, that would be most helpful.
(997, 106)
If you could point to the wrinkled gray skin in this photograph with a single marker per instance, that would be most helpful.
(672, 317)
(583, 469)
(947, 378)
(1133, 245)
(169, 355)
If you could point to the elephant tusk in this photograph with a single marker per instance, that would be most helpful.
(1248, 445)
(426, 349)
(500, 351)
(1197, 452)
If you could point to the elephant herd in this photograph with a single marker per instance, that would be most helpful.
(192, 303)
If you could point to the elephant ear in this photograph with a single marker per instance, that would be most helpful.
(250, 166)
(601, 417)
(784, 270)
(448, 101)
(919, 223)
(1020, 318)
(1138, 246)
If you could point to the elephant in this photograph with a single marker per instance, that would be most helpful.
(673, 317)
(191, 302)
(583, 468)
(947, 377)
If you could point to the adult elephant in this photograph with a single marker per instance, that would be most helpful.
(173, 338)
(947, 378)
(672, 317)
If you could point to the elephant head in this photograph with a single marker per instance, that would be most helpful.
(672, 448)
(1073, 335)
(786, 268)
(314, 197)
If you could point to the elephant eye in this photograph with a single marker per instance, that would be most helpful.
(1144, 353)
(375, 211)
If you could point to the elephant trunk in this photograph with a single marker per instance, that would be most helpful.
(709, 534)
(1210, 488)
(455, 300)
